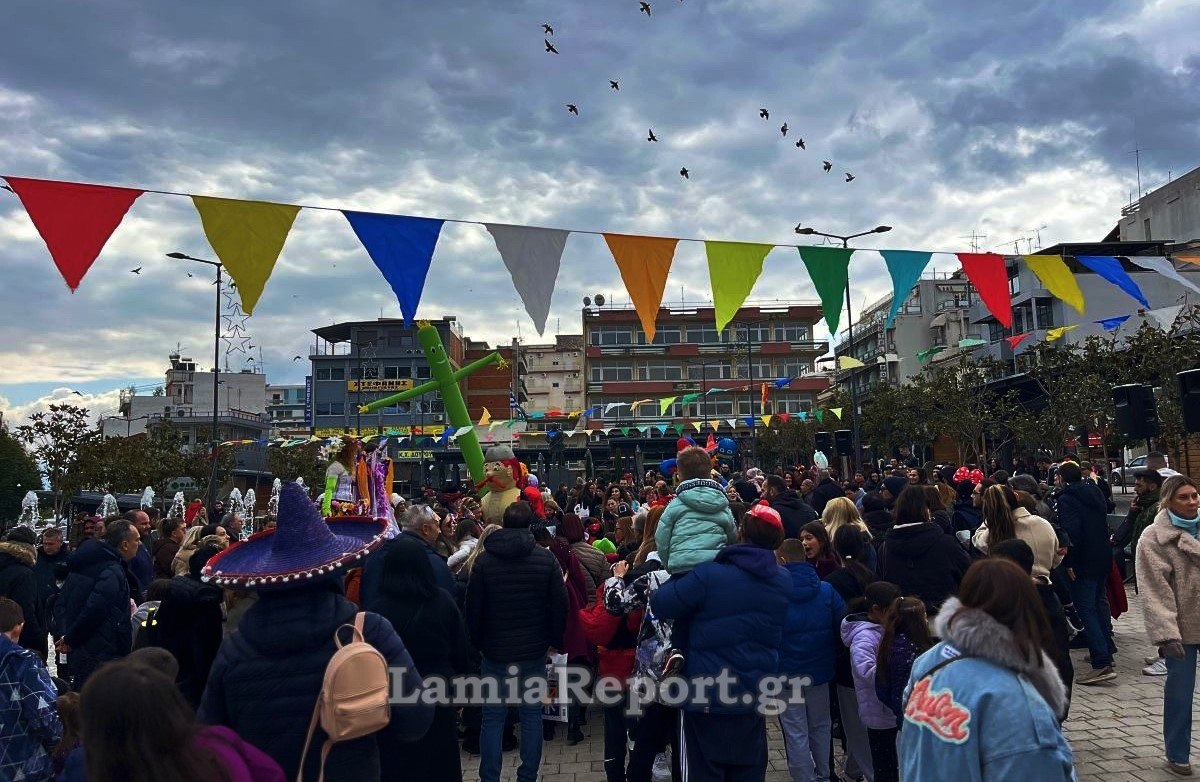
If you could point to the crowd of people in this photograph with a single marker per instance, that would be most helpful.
(921, 616)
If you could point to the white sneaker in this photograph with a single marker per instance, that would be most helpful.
(1156, 668)
(662, 767)
(1151, 660)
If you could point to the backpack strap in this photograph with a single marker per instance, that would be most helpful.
(312, 726)
(357, 634)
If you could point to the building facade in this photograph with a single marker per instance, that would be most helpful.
(287, 409)
(1170, 213)
(489, 388)
(554, 374)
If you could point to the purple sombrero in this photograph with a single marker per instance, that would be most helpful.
(301, 546)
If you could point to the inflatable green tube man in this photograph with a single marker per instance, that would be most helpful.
(446, 381)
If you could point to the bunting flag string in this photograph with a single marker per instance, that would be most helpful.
(766, 419)
(905, 267)
(971, 342)
(1017, 339)
(1109, 268)
(733, 268)
(532, 256)
(837, 412)
(849, 362)
(1057, 333)
(665, 404)
(1112, 324)
(1165, 317)
(1164, 267)
(485, 418)
(925, 355)
(644, 263)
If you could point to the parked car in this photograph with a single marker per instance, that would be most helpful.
(1123, 476)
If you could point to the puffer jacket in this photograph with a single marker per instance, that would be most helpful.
(736, 607)
(826, 490)
(95, 602)
(516, 604)
(862, 636)
(989, 716)
(694, 526)
(654, 634)
(29, 723)
(188, 622)
(267, 675)
(810, 634)
(1083, 513)
(924, 562)
(18, 583)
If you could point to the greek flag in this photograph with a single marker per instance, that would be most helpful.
(514, 405)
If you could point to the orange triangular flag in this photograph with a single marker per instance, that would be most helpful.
(644, 262)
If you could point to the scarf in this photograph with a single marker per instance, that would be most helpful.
(1191, 526)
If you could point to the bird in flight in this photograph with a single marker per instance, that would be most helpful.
(613, 84)
(849, 177)
(189, 274)
(650, 135)
(550, 47)
(784, 129)
(683, 172)
(764, 113)
(295, 358)
(547, 29)
(76, 393)
(138, 270)
(800, 144)
(645, 8)
(573, 109)
(827, 166)
(6, 187)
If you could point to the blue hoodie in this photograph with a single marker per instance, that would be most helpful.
(991, 716)
(810, 634)
(736, 605)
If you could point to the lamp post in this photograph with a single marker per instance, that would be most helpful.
(750, 377)
(845, 240)
(212, 483)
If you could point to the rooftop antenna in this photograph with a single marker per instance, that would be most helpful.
(1137, 161)
(975, 238)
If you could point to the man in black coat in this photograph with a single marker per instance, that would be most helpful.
(96, 601)
(828, 487)
(19, 584)
(794, 511)
(419, 524)
(516, 611)
(1083, 513)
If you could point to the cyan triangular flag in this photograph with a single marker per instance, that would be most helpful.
(905, 267)
(402, 248)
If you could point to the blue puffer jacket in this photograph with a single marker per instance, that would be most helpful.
(266, 677)
(810, 636)
(95, 602)
(29, 725)
(1083, 513)
(735, 607)
(694, 526)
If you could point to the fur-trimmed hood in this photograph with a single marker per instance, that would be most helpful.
(25, 555)
(975, 633)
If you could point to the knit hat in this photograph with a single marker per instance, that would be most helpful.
(606, 546)
(895, 484)
(300, 546)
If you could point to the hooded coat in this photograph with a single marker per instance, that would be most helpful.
(189, 626)
(1083, 513)
(736, 607)
(810, 634)
(267, 675)
(29, 723)
(924, 561)
(516, 604)
(794, 511)
(95, 603)
(989, 716)
(862, 637)
(18, 583)
(694, 526)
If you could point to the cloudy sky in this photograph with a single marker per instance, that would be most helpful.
(1001, 118)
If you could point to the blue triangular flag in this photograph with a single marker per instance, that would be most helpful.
(782, 382)
(1110, 269)
(1112, 324)
(402, 248)
(749, 421)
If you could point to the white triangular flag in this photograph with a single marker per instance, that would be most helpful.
(1165, 316)
(532, 256)
(1164, 267)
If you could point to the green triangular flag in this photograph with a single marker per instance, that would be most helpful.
(733, 268)
(678, 429)
(625, 430)
(820, 414)
(829, 268)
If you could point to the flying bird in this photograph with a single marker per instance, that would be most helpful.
(573, 109)
(138, 270)
(849, 177)
(800, 144)
(645, 8)
(651, 136)
(547, 29)
(827, 166)
(295, 358)
(683, 172)
(6, 187)
(784, 129)
(189, 274)
(764, 113)
(614, 85)
(76, 393)
(549, 46)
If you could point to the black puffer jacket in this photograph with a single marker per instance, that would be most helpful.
(189, 627)
(1083, 513)
(516, 599)
(49, 570)
(95, 602)
(924, 562)
(18, 583)
(826, 490)
(265, 681)
(794, 511)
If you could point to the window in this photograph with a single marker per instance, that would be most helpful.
(423, 372)
(367, 338)
(668, 335)
(611, 372)
(760, 332)
(792, 368)
(554, 385)
(791, 403)
(762, 371)
(702, 334)
(331, 373)
(1045, 314)
(1014, 285)
(660, 370)
(612, 335)
(717, 408)
(709, 372)
(330, 408)
(791, 333)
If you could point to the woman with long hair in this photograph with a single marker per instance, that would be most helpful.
(841, 512)
(918, 556)
(648, 543)
(137, 727)
(466, 537)
(937, 509)
(985, 703)
(818, 550)
(1005, 518)
(905, 636)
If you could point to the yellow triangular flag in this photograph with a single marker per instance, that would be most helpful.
(665, 403)
(766, 419)
(714, 424)
(1057, 278)
(633, 406)
(247, 237)
(696, 425)
(486, 418)
(836, 411)
(847, 362)
(1053, 334)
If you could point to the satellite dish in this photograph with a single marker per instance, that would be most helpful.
(599, 299)
(587, 302)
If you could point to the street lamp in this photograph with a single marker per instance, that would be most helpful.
(212, 483)
(845, 240)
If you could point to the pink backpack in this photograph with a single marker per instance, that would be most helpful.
(353, 701)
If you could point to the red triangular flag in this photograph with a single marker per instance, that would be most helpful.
(783, 416)
(711, 445)
(987, 273)
(1016, 339)
(74, 220)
